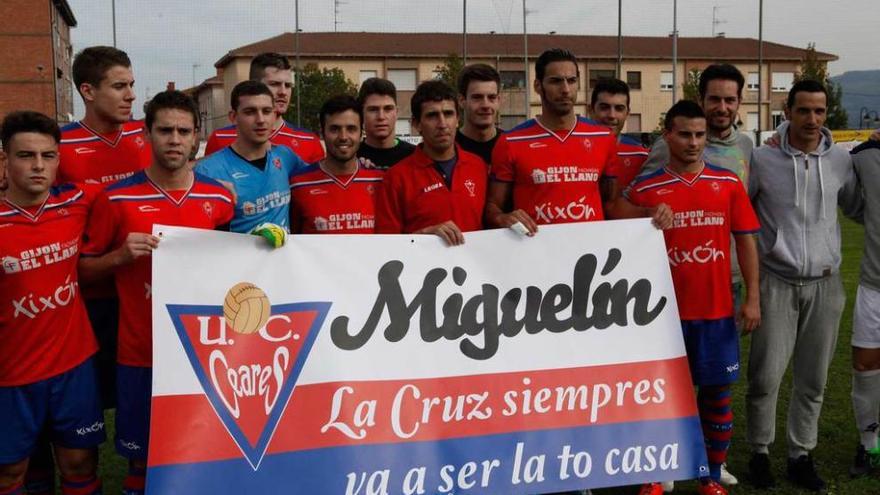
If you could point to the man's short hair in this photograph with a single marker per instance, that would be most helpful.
(91, 64)
(27, 121)
(339, 104)
(248, 88)
(431, 91)
(554, 55)
(806, 86)
(170, 100)
(265, 60)
(477, 72)
(725, 72)
(684, 108)
(376, 86)
(611, 86)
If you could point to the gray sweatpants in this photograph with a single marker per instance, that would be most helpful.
(800, 321)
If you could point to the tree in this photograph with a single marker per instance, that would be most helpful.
(450, 69)
(316, 86)
(691, 86)
(813, 68)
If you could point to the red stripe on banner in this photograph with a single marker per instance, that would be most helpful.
(186, 429)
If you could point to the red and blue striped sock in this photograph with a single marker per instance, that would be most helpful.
(40, 482)
(81, 485)
(716, 416)
(16, 489)
(135, 482)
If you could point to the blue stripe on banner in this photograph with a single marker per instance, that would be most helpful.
(616, 455)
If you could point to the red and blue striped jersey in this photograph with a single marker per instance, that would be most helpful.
(555, 174)
(630, 157)
(44, 328)
(88, 156)
(306, 144)
(708, 206)
(323, 203)
(135, 205)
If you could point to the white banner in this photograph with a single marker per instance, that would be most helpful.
(397, 364)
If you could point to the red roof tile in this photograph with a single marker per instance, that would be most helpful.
(482, 45)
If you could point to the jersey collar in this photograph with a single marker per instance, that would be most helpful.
(46, 205)
(681, 178)
(423, 160)
(552, 133)
(335, 178)
(111, 143)
(168, 196)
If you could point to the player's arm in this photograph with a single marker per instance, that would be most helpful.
(747, 254)
(621, 207)
(609, 190)
(609, 187)
(99, 259)
(498, 195)
(448, 231)
(136, 245)
(850, 198)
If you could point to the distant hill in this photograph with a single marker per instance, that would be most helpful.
(861, 88)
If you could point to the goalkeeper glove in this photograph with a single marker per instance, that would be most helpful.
(275, 235)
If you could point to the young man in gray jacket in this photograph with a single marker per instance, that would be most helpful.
(795, 189)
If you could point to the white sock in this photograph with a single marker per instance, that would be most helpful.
(866, 405)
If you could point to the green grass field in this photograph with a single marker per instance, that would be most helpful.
(837, 433)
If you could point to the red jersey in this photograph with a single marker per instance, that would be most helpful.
(555, 174)
(135, 205)
(415, 194)
(306, 144)
(44, 328)
(87, 156)
(630, 157)
(708, 207)
(323, 203)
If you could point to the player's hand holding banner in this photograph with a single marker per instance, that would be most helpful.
(393, 364)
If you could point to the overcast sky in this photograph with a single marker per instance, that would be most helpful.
(165, 38)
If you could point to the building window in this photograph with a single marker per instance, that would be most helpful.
(782, 81)
(403, 79)
(634, 79)
(511, 121)
(752, 81)
(666, 81)
(366, 74)
(513, 79)
(597, 74)
(402, 127)
(634, 123)
(751, 121)
(777, 118)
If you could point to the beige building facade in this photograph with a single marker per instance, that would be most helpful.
(407, 59)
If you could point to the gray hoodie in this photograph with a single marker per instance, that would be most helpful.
(731, 153)
(796, 196)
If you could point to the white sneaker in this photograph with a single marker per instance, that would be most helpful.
(668, 486)
(727, 479)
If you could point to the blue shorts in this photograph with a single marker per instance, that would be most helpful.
(66, 406)
(713, 350)
(133, 389)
